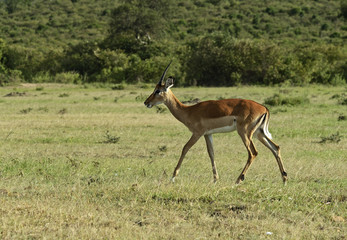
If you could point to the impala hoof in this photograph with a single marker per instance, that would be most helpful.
(240, 179)
(285, 181)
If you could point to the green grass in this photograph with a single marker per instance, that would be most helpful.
(61, 176)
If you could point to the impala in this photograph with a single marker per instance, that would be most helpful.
(247, 117)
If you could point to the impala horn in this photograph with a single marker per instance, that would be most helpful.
(162, 77)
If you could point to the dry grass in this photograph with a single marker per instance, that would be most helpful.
(60, 178)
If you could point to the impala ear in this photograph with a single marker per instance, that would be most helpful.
(169, 83)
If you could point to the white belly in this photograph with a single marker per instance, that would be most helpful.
(222, 129)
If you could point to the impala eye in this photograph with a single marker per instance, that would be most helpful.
(157, 91)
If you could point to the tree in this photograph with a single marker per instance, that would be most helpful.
(218, 60)
(137, 21)
(343, 7)
(135, 24)
(2, 59)
(81, 58)
(11, 5)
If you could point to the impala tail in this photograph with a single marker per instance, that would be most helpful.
(265, 124)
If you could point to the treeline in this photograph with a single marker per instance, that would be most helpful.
(211, 43)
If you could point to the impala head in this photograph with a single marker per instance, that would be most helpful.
(160, 91)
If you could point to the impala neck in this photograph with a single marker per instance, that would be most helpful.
(175, 106)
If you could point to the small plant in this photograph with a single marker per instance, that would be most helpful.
(39, 88)
(194, 101)
(145, 86)
(118, 87)
(67, 77)
(334, 138)
(63, 95)
(62, 111)
(16, 94)
(279, 100)
(96, 98)
(43, 109)
(140, 98)
(73, 162)
(162, 148)
(91, 180)
(96, 163)
(343, 101)
(110, 138)
(26, 110)
(116, 99)
(342, 118)
(160, 109)
(335, 96)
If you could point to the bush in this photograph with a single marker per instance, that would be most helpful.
(150, 70)
(114, 65)
(11, 77)
(67, 77)
(294, 11)
(42, 77)
(314, 63)
(221, 61)
(27, 61)
(279, 100)
(337, 80)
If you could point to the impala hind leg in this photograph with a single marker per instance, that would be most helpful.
(194, 138)
(209, 145)
(275, 149)
(252, 153)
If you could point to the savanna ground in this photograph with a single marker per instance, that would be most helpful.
(82, 162)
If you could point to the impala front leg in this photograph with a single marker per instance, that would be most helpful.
(194, 138)
(209, 145)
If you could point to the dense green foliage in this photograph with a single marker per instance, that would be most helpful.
(212, 42)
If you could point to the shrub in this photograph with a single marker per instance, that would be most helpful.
(279, 100)
(114, 65)
(270, 10)
(314, 63)
(81, 59)
(333, 138)
(26, 110)
(110, 138)
(150, 70)
(42, 77)
(11, 77)
(343, 101)
(338, 79)
(67, 77)
(118, 87)
(294, 11)
(223, 61)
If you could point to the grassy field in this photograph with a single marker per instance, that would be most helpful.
(82, 162)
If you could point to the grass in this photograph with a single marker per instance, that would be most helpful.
(61, 178)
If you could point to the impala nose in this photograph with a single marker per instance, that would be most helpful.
(147, 105)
